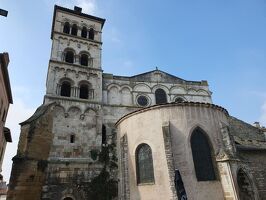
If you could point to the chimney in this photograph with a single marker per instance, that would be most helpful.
(77, 9)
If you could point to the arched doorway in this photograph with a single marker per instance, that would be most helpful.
(246, 191)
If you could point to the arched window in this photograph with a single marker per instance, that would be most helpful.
(74, 30)
(144, 164)
(65, 89)
(84, 32)
(68, 198)
(84, 91)
(84, 60)
(179, 100)
(66, 28)
(202, 157)
(246, 191)
(91, 34)
(69, 57)
(160, 96)
(104, 141)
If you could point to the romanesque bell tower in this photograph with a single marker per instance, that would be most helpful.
(74, 84)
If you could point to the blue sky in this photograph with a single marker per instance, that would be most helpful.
(219, 41)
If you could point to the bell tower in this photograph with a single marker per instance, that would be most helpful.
(75, 63)
(74, 83)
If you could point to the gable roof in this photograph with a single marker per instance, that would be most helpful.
(155, 76)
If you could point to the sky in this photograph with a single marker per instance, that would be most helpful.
(222, 42)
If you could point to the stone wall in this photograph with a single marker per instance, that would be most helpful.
(29, 165)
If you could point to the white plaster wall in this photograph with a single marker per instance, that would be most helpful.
(146, 127)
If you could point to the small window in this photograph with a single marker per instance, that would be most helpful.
(160, 96)
(104, 141)
(179, 100)
(66, 28)
(69, 57)
(91, 34)
(65, 89)
(72, 138)
(74, 30)
(144, 164)
(84, 32)
(84, 92)
(202, 157)
(142, 100)
(84, 59)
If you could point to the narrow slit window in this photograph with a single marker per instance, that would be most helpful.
(72, 138)
(104, 140)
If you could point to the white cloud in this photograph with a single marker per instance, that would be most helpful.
(17, 113)
(88, 6)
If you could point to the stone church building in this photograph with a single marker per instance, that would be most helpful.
(151, 136)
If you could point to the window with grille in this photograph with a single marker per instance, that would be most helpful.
(144, 164)
(160, 96)
(202, 157)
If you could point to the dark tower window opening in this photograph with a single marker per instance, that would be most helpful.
(65, 89)
(202, 157)
(104, 139)
(84, 32)
(72, 138)
(84, 60)
(74, 30)
(84, 91)
(160, 96)
(144, 164)
(66, 28)
(91, 34)
(69, 57)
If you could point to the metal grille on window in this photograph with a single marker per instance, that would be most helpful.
(160, 96)
(202, 158)
(144, 164)
(142, 101)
